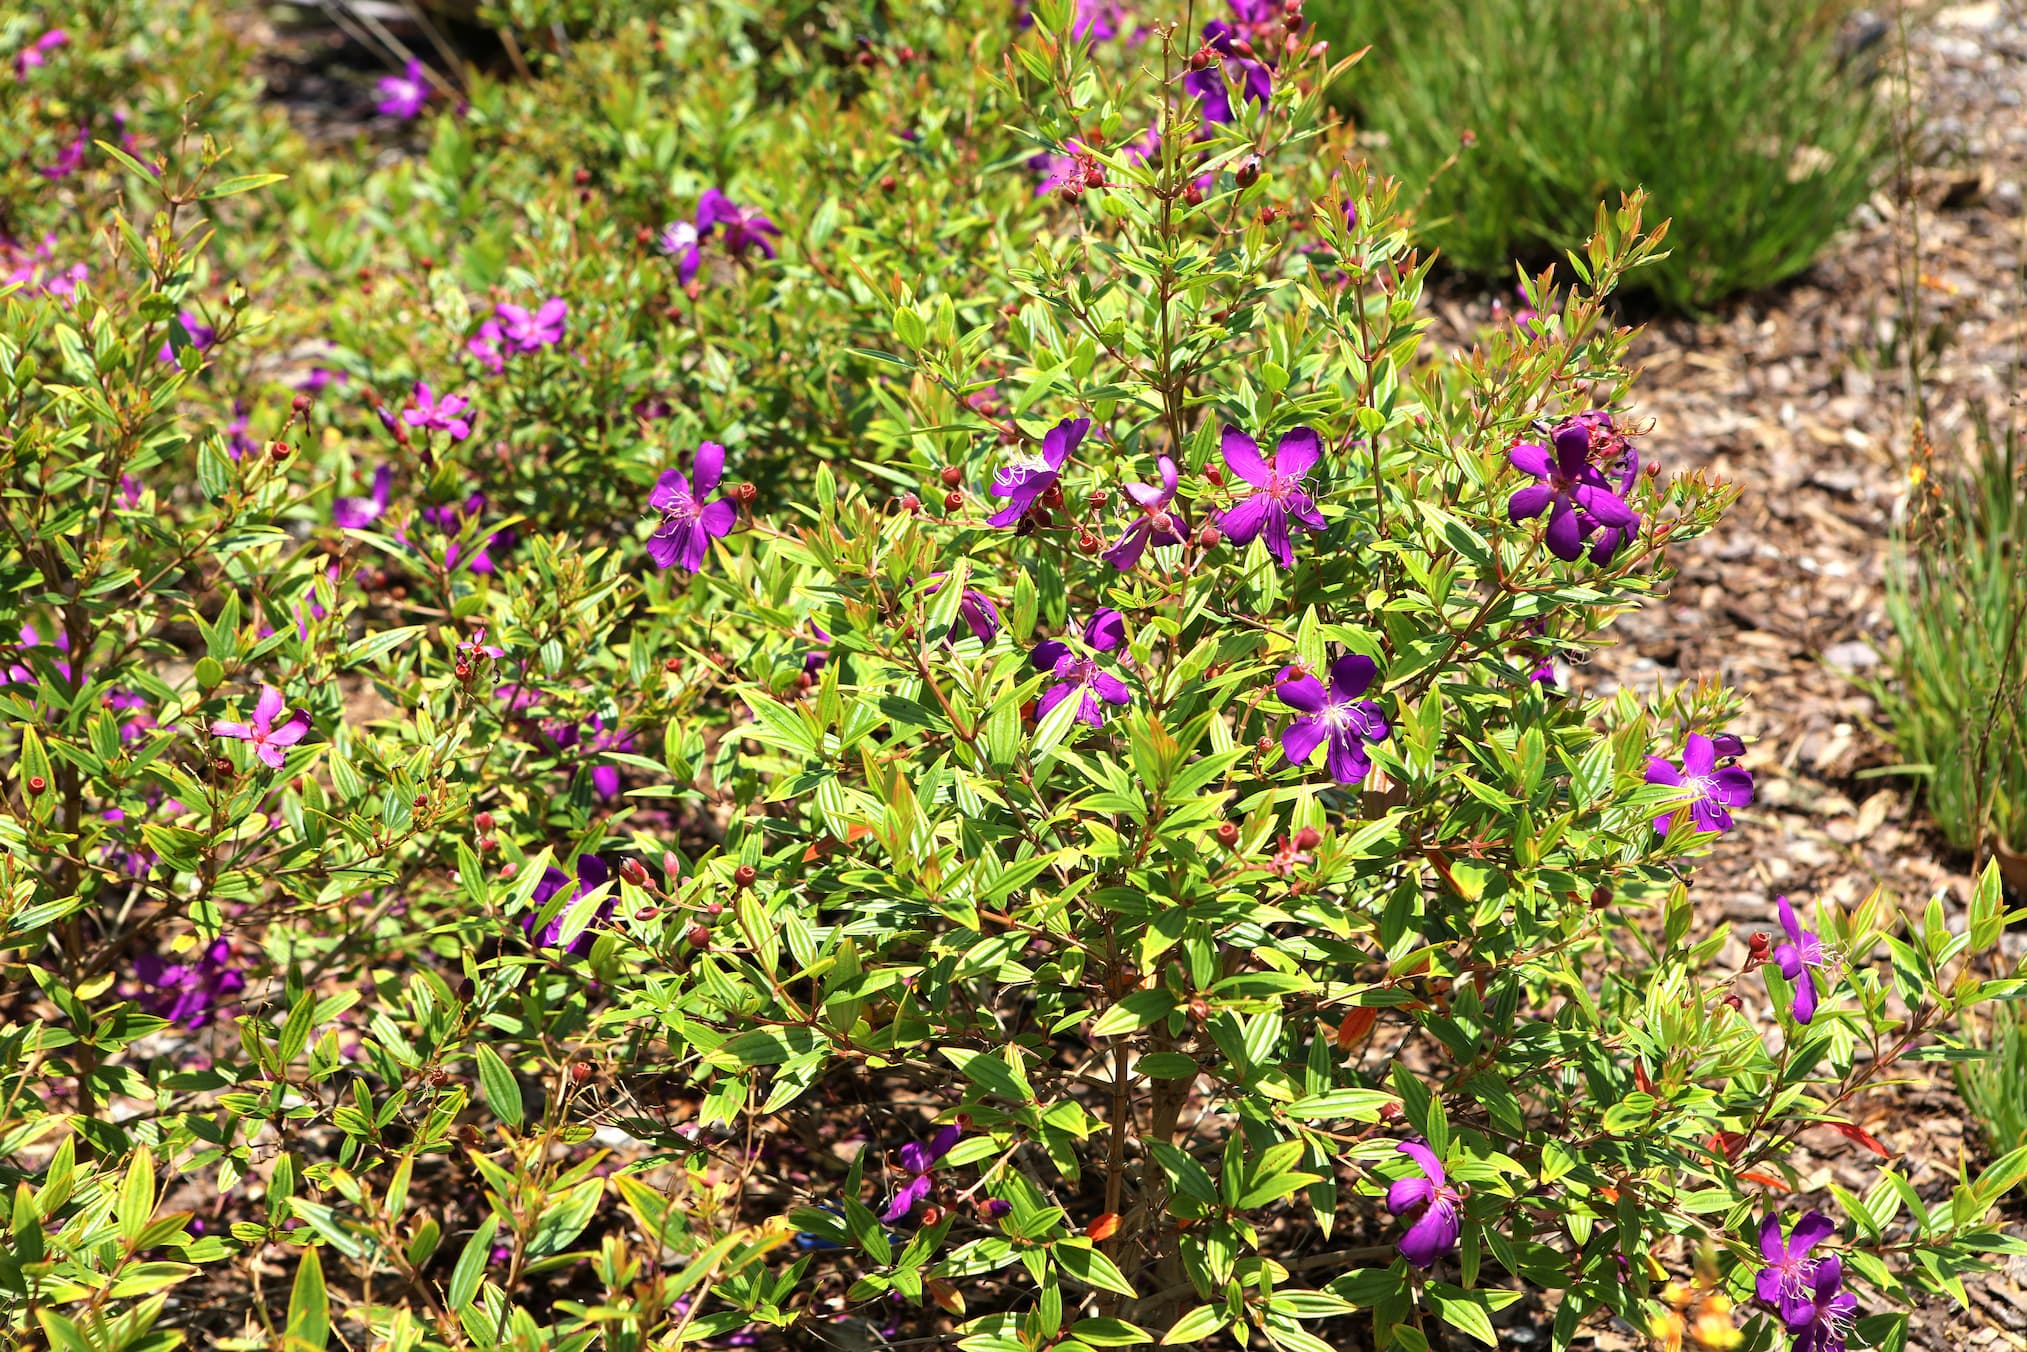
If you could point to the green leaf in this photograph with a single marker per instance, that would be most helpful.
(1087, 1265)
(471, 1264)
(502, 1090)
(1110, 1333)
(232, 187)
(1195, 1326)
(309, 1305)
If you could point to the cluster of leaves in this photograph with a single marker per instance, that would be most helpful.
(1753, 125)
(559, 951)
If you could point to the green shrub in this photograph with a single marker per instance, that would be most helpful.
(1956, 590)
(1737, 116)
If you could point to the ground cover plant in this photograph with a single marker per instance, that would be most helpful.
(624, 735)
(1755, 126)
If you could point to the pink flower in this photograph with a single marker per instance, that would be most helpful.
(403, 95)
(269, 741)
(523, 331)
(440, 415)
(36, 52)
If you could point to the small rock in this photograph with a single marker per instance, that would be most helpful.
(1852, 655)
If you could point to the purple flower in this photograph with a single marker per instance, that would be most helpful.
(359, 513)
(403, 95)
(486, 346)
(681, 241)
(199, 334)
(689, 524)
(743, 229)
(269, 741)
(522, 331)
(1028, 479)
(37, 52)
(1607, 538)
(1096, 21)
(1709, 792)
(918, 1160)
(1080, 675)
(1821, 1318)
(1790, 1270)
(1280, 501)
(1568, 481)
(439, 415)
(1157, 525)
(1799, 959)
(1337, 715)
(188, 993)
(238, 444)
(591, 872)
(1431, 1204)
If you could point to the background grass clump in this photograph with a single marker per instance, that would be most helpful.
(1752, 123)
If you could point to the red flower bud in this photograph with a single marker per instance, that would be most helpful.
(952, 500)
(634, 872)
(910, 503)
(952, 476)
(1264, 745)
(672, 665)
(583, 176)
(1307, 838)
(1228, 834)
(715, 908)
(1087, 542)
(484, 821)
(1214, 474)
(698, 936)
(301, 403)
(886, 183)
(36, 784)
(745, 493)
(1208, 537)
(580, 1071)
(279, 450)
(1200, 59)
(1099, 497)
(1248, 172)
(744, 875)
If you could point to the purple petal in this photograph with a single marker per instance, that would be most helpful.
(1051, 697)
(1529, 502)
(1126, 551)
(1661, 772)
(1347, 761)
(1699, 757)
(1804, 1008)
(1419, 1152)
(709, 464)
(1298, 451)
(1242, 453)
(717, 517)
(1790, 926)
(223, 728)
(1274, 531)
(270, 705)
(1350, 675)
(1300, 739)
(1433, 1236)
(1565, 535)
(1732, 786)
(913, 1191)
(1062, 440)
(1299, 690)
(1106, 631)
(1530, 458)
(1772, 1247)
(1407, 1193)
(1047, 653)
(1242, 520)
(1608, 507)
(1572, 447)
(1810, 1231)
(1111, 689)
(668, 488)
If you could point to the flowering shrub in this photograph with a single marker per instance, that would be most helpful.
(475, 877)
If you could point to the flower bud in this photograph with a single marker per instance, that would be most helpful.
(931, 1214)
(745, 493)
(1601, 896)
(1390, 1111)
(1264, 745)
(484, 821)
(1162, 522)
(1208, 537)
(466, 989)
(716, 908)
(646, 913)
(1248, 172)
(910, 503)
(279, 451)
(1228, 834)
(1099, 497)
(1087, 542)
(952, 500)
(887, 183)
(1308, 838)
(1200, 59)
(580, 1071)
(698, 936)
(744, 875)
(672, 865)
(1214, 474)
(582, 177)
(1192, 196)
(1199, 1009)
(301, 403)
(952, 476)
(634, 872)
(672, 665)
(1053, 496)
(37, 784)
